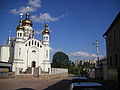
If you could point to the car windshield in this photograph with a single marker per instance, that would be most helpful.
(89, 88)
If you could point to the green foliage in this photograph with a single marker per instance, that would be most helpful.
(61, 60)
(81, 69)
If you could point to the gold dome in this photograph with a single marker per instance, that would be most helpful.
(27, 21)
(46, 30)
(20, 27)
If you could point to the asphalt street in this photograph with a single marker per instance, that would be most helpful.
(38, 84)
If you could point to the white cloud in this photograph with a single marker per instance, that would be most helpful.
(35, 3)
(44, 17)
(33, 6)
(83, 54)
(56, 50)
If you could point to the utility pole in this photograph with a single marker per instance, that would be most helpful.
(97, 53)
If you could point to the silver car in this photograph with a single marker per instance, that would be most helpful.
(87, 86)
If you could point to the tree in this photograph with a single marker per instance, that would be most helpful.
(60, 60)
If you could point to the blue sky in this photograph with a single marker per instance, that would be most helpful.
(74, 24)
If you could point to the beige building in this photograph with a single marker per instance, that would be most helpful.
(82, 61)
(112, 36)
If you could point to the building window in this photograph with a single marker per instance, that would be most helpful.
(29, 43)
(32, 42)
(116, 59)
(47, 54)
(38, 44)
(19, 52)
(20, 34)
(46, 38)
(35, 42)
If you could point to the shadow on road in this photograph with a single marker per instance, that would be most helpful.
(24, 89)
(62, 85)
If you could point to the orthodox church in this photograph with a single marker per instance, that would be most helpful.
(24, 51)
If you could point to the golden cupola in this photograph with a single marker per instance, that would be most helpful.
(46, 31)
(27, 21)
(20, 27)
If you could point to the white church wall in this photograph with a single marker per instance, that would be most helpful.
(58, 70)
(29, 56)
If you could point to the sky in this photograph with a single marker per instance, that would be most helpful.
(74, 24)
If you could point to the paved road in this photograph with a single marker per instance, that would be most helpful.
(26, 84)
(37, 84)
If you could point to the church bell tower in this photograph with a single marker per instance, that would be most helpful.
(45, 35)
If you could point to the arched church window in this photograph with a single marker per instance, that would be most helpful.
(20, 34)
(32, 42)
(29, 43)
(46, 38)
(35, 42)
(19, 52)
(38, 44)
(47, 53)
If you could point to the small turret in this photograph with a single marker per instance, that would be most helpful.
(20, 28)
(45, 35)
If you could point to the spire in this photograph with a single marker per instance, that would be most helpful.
(21, 15)
(20, 22)
(27, 21)
(9, 38)
(27, 14)
(46, 26)
(9, 33)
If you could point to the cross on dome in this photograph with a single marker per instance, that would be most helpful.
(21, 15)
(28, 8)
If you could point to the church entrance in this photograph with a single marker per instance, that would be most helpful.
(33, 64)
(33, 57)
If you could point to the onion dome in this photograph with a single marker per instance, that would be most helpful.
(27, 21)
(46, 31)
(20, 25)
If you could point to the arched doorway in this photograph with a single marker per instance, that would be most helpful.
(33, 55)
(33, 64)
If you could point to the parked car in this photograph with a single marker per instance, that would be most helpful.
(79, 79)
(87, 86)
